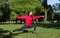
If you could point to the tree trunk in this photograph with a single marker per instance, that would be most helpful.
(45, 18)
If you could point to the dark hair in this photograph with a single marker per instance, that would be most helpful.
(29, 12)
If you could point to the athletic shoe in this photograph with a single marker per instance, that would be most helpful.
(11, 32)
(34, 32)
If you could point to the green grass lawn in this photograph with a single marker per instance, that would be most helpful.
(43, 31)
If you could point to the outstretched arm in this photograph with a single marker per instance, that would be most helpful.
(37, 17)
(20, 17)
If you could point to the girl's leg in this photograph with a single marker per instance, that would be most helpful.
(34, 25)
(20, 29)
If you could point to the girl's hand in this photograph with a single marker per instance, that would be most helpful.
(42, 16)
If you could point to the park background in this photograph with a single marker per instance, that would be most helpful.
(47, 27)
(9, 9)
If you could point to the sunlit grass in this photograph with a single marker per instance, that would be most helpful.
(41, 32)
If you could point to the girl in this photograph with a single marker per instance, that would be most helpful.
(28, 22)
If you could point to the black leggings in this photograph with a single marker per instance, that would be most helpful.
(24, 27)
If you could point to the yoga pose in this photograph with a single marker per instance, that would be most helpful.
(28, 22)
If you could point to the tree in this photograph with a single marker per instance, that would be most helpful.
(44, 3)
(50, 13)
(4, 7)
(56, 8)
(22, 6)
(1, 15)
(1, 3)
(47, 10)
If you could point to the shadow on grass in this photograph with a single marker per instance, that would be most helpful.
(7, 36)
(3, 35)
(25, 31)
(51, 25)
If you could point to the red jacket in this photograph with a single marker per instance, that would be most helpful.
(28, 19)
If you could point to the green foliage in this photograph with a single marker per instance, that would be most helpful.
(24, 5)
(50, 13)
(12, 15)
(2, 3)
(1, 15)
